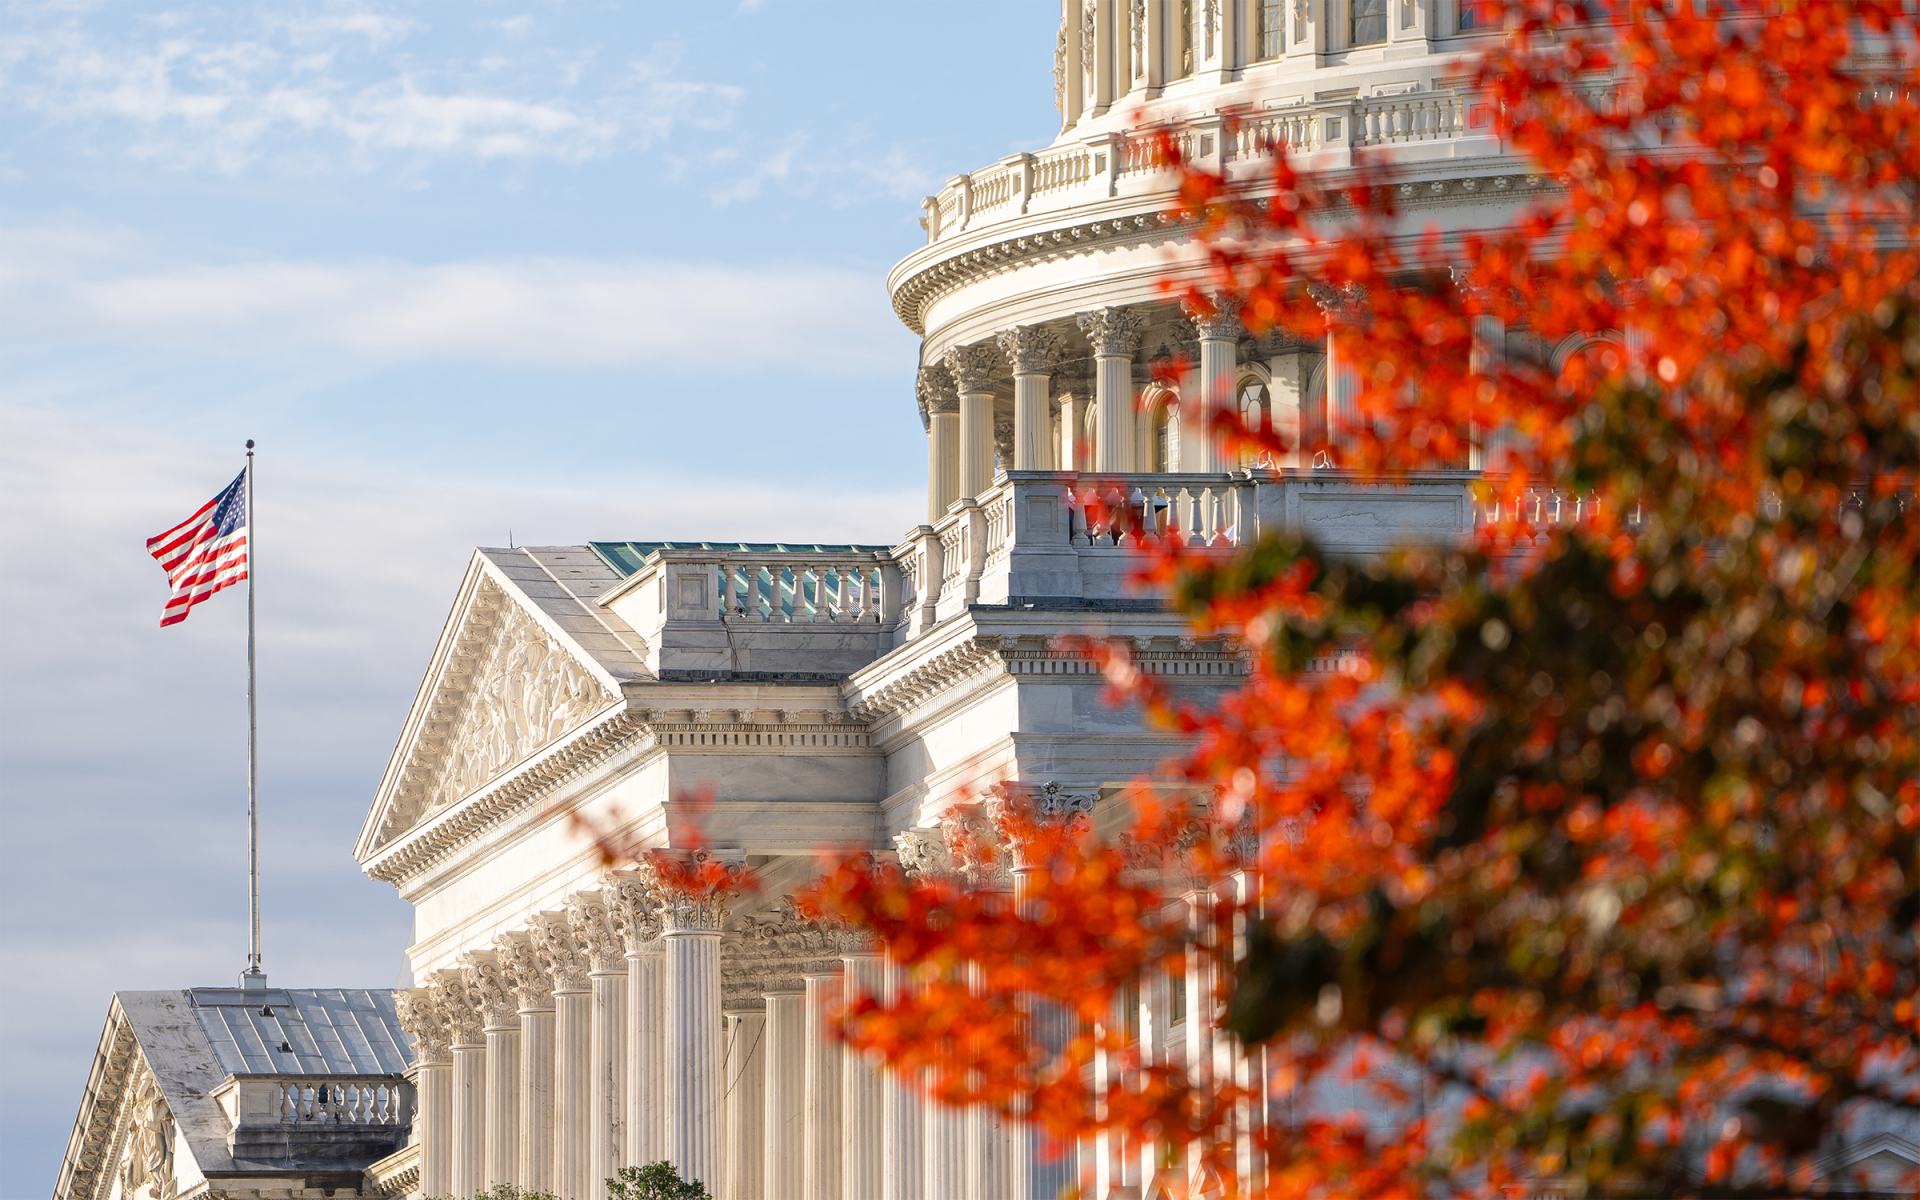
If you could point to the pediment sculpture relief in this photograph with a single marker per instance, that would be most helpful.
(146, 1169)
(509, 689)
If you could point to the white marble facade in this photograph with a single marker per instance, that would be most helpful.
(572, 1019)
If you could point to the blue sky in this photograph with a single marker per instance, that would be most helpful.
(581, 270)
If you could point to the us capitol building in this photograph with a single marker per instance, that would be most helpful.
(569, 1020)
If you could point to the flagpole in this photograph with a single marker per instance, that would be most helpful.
(256, 976)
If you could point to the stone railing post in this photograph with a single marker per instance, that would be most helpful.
(532, 982)
(421, 1016)
(572, 1058)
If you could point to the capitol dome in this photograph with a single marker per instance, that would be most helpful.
(1038, 291)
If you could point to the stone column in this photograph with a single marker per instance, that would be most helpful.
(597, 928)
(467, 1158)
(1113, 334)
(1029, 350)
(572, 1058)
(532, 979)
(645, 1135)
(944, 1150)
(746, 1094)
(1199, 982)
(490, 984)
(942, 407)
(862, 1094)
(1289, 368)
(1219, 334)
(426, 1024)
(1488, 351)
(1344, 420)
(970, 367)
(1073, 427)
(905, 1173)
(692, 927)
(1034, 1175)
(822, 1136)
(786, 1074)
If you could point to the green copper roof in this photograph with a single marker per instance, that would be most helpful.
(628, 557)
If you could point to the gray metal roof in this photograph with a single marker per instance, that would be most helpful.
(328, 1031)
(566, 583)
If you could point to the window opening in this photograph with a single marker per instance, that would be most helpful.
(1300, 22)
(1266, 34)
(1369, 21)
(1186, 38)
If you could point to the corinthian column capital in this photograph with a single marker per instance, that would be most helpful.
(972, 366)
(421, 1017)
(1113, 331)
(564, 957)
(457, 1007)
(597, 932)
(1221, 324)
(1030, 349)
(936, 390)
(693, 892)
(527, 972)
(636, 912)
(491, 987)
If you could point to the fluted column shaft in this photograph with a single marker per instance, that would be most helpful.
(646, 1140)
(434, 1083)
(1343, 389)
(503, 1103)
(573, 1095)
(905, 1172)
(1035, 1176)
(1219, 337)
(469, 1117)
(944, 1150)
(942, 410)
(608, 1047)
(862, 1096)
(971, 368)
(1029, 351)
(694, 1052)
(785, 1127)
(1111, 330)
(535, 1134)
(1294, 416)
(746, 1106)
(822, 1091)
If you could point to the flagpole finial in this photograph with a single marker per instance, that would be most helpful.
(249, 445)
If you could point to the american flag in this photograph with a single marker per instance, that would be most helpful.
(205, 552)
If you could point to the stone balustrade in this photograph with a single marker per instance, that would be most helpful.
(251, 1101)
(1445, 122)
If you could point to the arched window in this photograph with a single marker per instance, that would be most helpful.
(1254, 402)
(1165, 408)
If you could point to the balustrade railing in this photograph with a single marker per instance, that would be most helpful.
(1112, 512)
(1008, 188)
(800, 592)
(342, 1102)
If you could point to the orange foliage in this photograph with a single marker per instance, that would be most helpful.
(1593, 858)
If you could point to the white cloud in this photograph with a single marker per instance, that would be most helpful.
(852, 174)
(299, 89)
(63, 283)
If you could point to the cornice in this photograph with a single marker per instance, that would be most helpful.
(116, 1063)
(923, 285)
(585, 750)
(1030, 655)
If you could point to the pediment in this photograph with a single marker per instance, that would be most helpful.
(507, 681)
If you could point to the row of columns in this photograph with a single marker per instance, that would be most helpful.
(601, 1036)
(957, 398)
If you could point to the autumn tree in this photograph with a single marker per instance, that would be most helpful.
(1594, 860)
